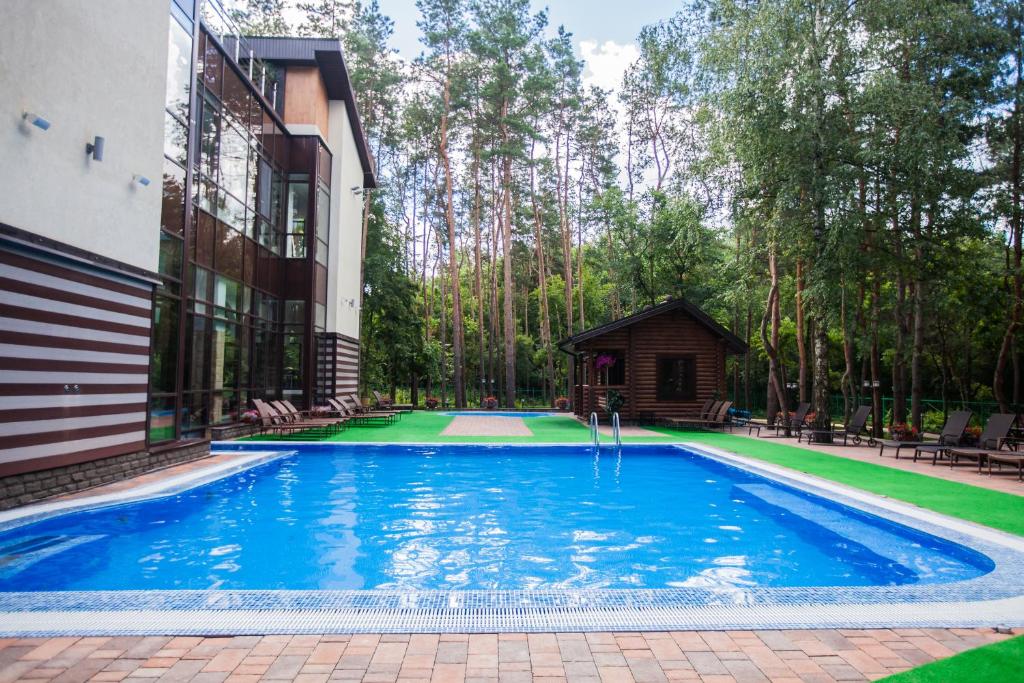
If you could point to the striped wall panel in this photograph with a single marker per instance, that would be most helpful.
(74, 362)
(337, 370)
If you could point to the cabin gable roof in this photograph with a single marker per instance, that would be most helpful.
(733, 343)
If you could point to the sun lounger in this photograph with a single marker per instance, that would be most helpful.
(386, 403)
(852, 429)
(1004, 458)
(356, 409)
(951, 435)
(721, 419)
(797, 423)
(273, 422)
(292, 414)
(361, 419)
(708, 411)
(992, 438)
(362, 407)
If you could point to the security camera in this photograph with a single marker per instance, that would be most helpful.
(36, 120)
(141, 180)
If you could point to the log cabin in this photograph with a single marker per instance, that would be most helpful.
(665, 360)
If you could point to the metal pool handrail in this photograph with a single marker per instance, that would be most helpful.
(616, 430)
(594, 436)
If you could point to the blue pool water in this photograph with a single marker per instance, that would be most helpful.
(496, 413)
(479, 517)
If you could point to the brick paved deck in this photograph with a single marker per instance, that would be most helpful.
(565, 657)
(486, 425)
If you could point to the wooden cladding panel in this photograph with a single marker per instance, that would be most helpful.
(673, 333)
(74, 362)
(305, 97)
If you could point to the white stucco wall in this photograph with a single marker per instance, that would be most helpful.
(90, 68)
(346, 225)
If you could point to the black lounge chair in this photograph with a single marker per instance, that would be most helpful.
(1004, 458)
(992, 438)
(952, 434)
(851, 429)
(797, 423)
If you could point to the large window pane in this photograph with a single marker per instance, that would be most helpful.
(197, 375)
(175, 140)
(234, 154)
(171, 249)
(323, 214)
(179, 70)
(298, 212)
(227, 297)
(209, 142)
(172, 215)
(161, 418)
(224, 355)
(164, 362)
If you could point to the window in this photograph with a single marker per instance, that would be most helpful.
(179, 70)
(298, 212)
(677, 378)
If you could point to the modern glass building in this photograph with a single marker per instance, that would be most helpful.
(184, 234)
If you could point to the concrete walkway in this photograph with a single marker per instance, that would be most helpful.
(719, 656)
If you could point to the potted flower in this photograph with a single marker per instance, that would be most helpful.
(321, 411)
(603, 362)
(432, 402)
(615, 401)
(972, 435)
(490, 403)
(901, 431)
(562, 403)
(250, 417)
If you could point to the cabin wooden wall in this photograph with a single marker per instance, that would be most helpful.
(671, 333)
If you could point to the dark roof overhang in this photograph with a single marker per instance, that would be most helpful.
(325, 54)
(732, 342)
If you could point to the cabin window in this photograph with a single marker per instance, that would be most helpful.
(677, 378)
(610, 367)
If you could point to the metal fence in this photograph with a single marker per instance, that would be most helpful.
(981, 410)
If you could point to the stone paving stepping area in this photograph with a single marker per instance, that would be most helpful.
(719, 656)
(486, 425)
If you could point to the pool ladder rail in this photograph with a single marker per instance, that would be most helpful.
(595, 437)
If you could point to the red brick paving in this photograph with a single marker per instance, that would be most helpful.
(719, 656)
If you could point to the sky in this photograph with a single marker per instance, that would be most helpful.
(604, 31)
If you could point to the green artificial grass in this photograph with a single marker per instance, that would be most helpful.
(995, 509)
(1002, 661)
(998, 510)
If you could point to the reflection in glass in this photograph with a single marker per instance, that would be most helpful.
(172, 216)
(175, 140)
(179, 70)
(164, 356)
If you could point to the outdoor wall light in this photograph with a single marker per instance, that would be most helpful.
(141, 180)
(95, 148)
(36, 120)
(356, 190)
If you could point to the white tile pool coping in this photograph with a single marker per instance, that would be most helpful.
(994, 599)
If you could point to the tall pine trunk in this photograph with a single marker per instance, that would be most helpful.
(458, 340)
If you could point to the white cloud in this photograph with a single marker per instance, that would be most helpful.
(604, 66)
(605, 63)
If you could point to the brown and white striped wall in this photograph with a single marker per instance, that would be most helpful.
(337, 366)
(74, 359)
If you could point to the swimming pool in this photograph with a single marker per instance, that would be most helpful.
(479, 518)
(364, 537)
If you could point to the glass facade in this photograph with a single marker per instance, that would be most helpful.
(243, 248)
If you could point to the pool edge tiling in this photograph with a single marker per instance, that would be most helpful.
(996, 598)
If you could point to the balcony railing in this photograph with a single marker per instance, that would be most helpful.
(216, 16)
